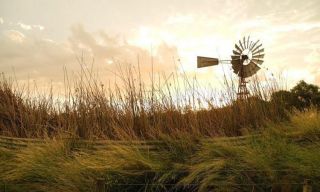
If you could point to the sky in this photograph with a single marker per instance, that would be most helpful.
(39, 39)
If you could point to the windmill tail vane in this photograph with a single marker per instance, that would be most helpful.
(246, 59)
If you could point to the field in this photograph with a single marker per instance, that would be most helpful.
(159, 137)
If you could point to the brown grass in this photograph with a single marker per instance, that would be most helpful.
(134, 110)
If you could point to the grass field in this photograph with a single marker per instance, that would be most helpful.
(194, 150)
(279, 158)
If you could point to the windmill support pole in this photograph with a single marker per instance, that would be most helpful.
(242, 87)
(243, 92)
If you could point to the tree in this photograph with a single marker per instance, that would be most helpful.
(301, 96)
(305, 95)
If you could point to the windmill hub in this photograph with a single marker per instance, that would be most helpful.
(246, 57)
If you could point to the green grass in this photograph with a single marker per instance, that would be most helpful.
(282, 154)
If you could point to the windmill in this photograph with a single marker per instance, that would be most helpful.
(246, 60)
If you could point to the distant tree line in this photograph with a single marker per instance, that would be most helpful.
(300, 97)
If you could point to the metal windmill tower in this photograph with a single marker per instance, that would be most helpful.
(245, 61)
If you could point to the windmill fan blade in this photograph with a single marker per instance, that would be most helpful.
(258, 56)
(256, 61)
(254, 45)
(238, 48)
(241, 45)
(236, 68)
(256, 48)
(206, 61)
(253, 69)
(235, 52)
(236, 65)
(250, 45)
(244, 42)
(259, 51)
(250, 69)
(236, 61)
(248, 42)
(235, 57)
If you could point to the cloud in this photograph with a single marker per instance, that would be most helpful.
(31, 57)
(34, 57)
(102, 47)
(15, 36)
(30, 27)
(24, 26)
(39, 27)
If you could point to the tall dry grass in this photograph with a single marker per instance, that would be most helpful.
(133, 109)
